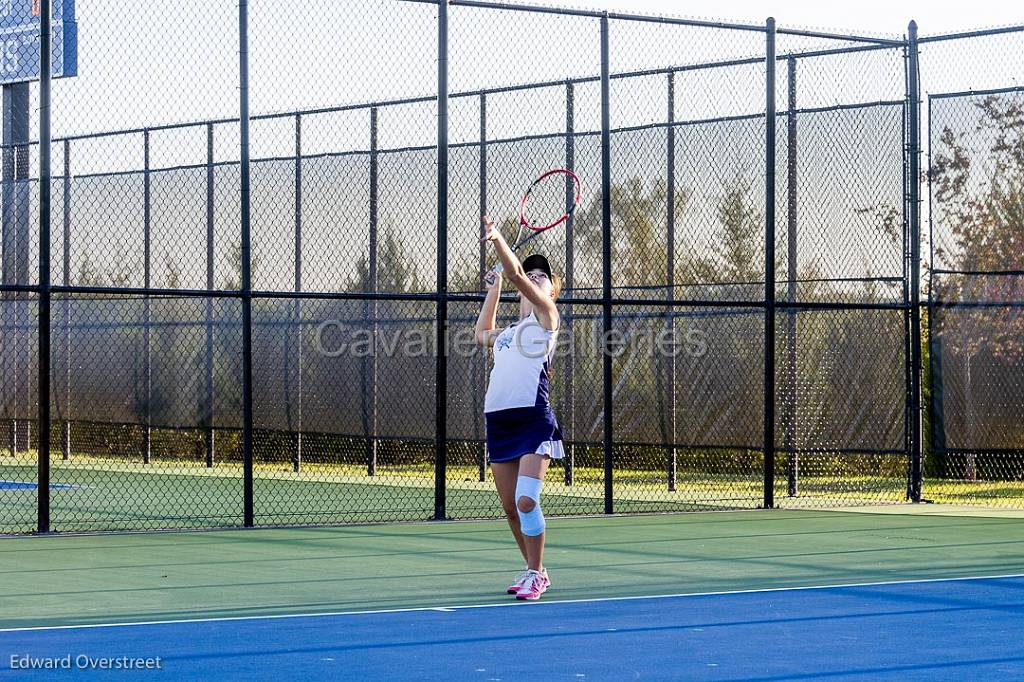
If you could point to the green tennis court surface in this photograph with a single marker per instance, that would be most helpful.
(88, 494)
(64, 580)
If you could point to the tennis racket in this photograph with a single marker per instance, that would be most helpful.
(547, 203)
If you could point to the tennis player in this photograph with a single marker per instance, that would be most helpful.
(522, 432)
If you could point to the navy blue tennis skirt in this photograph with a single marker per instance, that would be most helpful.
(520, 431)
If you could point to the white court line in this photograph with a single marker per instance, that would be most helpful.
(456, 607)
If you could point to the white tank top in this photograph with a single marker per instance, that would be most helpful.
(522, 363)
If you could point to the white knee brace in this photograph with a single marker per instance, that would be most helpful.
(531, 522)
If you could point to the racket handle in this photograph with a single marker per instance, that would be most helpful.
(498, 268)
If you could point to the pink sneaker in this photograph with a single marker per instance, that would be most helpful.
(536, 584)
(520, 579)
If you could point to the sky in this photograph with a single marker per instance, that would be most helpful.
(882, 16)
(173, 65)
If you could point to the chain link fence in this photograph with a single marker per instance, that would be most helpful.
(976, 280)
(267, 319)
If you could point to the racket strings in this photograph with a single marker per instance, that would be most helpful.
(548, 200)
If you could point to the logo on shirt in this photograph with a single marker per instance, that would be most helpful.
(504, 339)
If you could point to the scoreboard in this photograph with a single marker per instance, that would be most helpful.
(19, 40)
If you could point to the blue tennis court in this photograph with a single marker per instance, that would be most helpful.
(927, 630)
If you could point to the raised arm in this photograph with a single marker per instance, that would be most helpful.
(547, 313)
(485, 323)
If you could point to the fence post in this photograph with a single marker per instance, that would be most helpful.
(147, 369)
(297, 303)
(789, 391)
(209, 440)
(43, 482)
(480, 365)
(441, 379)
(370, 308)
(769, 269)
(66, 307)
(606, 251)
(914, 152)
(568, 282)
(670, 271)
(907, 353)
(246, 237)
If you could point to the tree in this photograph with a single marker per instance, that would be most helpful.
(981, 206)
(396, 269)
(233, 282)
(173, 272)
(638, 235)
(88, 274)
(738, 255)
(122, 270)
(464, 276)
